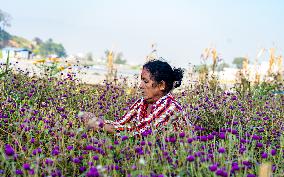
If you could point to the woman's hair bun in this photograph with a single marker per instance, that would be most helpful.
(177, 76)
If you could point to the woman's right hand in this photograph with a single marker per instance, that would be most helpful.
(90, 120)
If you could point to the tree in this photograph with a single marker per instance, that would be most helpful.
(222, 65)
(51, 48)
(4, 22)
(89, 56)
(37, 41)
(5, 19)
(119, 59)
(239, 62)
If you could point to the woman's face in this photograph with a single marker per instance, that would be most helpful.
(150, 89)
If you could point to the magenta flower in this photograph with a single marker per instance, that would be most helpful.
(273, 152)
(48, 161)
(189, 140)
(19, 172)
(89, 147)
(26, 166)
(9, 151)
(221, 150)
(82, 169)
(213, 167)
(95, 157)
(190, 158)
(182, 134)
(222, 135)
(76, 160)
(123, 138)
(264, 155)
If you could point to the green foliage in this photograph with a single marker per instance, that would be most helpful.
(5, 19)
(39, 120)
(22, 42)
(4, 36)
(239, 62)
(119, 59)
(4, 22)
(89, 56)
(222, 65)
(1, 54)
(50, 48)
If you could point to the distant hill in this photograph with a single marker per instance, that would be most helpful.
(37, 46)
(7, 39)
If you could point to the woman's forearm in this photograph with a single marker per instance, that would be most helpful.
(109, 128)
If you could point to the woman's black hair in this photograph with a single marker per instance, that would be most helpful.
(162, 71)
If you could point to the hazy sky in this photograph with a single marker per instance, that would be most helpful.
(180, 28)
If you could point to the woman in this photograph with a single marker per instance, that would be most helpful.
(155, 110)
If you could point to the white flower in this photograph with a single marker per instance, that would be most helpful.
(142, 161)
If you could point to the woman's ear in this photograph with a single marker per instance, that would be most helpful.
(162, 85)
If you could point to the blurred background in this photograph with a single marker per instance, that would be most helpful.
(122, 35)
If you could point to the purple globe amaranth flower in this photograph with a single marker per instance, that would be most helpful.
(264, 155)
(210, 137)
(69, 148)
(243, 140)
(116, 142)
(189, 140)
(259, 145)
(213, 167)
(93, 172)
(76, 160)
(84, 136)
(190, 158)
(234, 132)
(235, 168)
(203, 138)
(26, 166)
(221, 150)
(182, 135)
(255, 137)
(32, 140)
(19, 172)
(251, 175)
(9, 151)
(222, 135)
(31, 172)
(219, 172)
(133, 167)
(34, 152)
(142, 143)
(123, 138)
(95, 157)
(89, 147)
(247, 163)
(82, 169)
(172, 139)
(55, 152)
(48, 161)
(273, 152)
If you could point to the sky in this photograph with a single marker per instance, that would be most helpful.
(181, 29)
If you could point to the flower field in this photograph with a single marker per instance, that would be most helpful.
(234, 134)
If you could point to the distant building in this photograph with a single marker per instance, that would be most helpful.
(16, 53)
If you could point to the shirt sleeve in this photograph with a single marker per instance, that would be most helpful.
(121, 123)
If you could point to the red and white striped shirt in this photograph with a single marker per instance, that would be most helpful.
(163, 111)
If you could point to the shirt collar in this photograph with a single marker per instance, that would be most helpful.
(168, 95)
